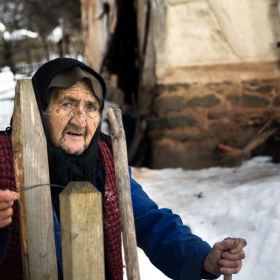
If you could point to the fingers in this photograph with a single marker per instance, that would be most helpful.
(226, 256)
(6, 217)
(8, 195)
(229, 267)
(233, 257)
(234, 245)
(238, 245)
(7, 199)
(231, 261)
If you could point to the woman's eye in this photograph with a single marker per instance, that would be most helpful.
(91, 108)
(67, 105)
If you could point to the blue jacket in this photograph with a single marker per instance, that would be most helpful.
(169, 244)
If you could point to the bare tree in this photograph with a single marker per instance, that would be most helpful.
(42, 17)
(39, 15)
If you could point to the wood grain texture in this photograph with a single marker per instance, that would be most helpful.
(142, 10)
(31, 168)
(82, 232)
(124, 194)
(95, 31)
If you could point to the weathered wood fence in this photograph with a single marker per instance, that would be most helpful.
(25, 55)
(81, 208)
(82, 232)
(31, 168)
(80, 203)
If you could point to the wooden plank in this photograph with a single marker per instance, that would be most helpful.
(142, 18)
(95, 31)
(124, 194)
(31, 168)
(82, 232)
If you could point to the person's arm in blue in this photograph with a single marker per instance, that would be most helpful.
(169, 244)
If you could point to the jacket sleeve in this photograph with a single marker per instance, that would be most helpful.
(169, 244)
(4, 238)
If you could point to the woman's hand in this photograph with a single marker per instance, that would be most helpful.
(7, 199)
(226, 256)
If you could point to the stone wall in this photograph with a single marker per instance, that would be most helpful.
(215, 71)
(187, 121)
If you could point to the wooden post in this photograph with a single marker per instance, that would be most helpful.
(31, 168)
(94, 22)
(82, 232)
(124, 194)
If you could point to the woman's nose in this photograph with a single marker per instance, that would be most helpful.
(79, 118)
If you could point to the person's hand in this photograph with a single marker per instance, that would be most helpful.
(7, 199)
(226, 256)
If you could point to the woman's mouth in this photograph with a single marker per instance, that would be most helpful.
(74, 134)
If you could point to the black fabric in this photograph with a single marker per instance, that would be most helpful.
(7, 131)
(46, 73)
(4, 234)
(63, 167)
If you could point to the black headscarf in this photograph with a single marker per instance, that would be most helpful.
(64, 167)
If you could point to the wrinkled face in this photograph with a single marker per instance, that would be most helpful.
(73, 117)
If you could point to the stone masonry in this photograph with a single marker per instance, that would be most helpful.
(188, 120)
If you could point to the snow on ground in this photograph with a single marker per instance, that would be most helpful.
(236, 202)
(214, 202)
(7, 92)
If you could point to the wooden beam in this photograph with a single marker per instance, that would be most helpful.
(142, 14)
(82, 232)
(31, 168)
(94, 29)
(124, 194)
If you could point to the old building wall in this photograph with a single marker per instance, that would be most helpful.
(215, 77)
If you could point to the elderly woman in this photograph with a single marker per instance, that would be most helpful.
(70, 97)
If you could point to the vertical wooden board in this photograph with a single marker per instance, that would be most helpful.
(31, 168)
(141, 11)
(94, 32)
(82, 232)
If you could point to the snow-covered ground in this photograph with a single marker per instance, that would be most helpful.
(214, 202)
(237, 202)
(7, 92)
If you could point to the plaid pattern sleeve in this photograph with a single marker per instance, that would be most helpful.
(11, 266)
